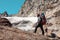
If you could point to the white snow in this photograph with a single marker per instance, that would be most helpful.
(18, 19)
(27, 28)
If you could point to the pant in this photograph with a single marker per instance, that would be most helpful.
(41, 27)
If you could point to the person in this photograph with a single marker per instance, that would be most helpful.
(41, 22)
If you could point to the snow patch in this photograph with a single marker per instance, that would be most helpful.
(18, 19)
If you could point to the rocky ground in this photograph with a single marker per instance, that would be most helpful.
(7, 33)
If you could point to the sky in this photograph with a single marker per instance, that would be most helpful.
(11, 6)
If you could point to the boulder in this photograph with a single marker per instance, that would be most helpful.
(5, 22)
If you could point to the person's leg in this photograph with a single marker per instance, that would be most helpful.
(41, 26)
(35, 29)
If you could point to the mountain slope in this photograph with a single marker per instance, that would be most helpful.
(7, 33)
(31, 7)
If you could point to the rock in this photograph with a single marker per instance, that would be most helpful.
(5, 22)
(5, 14)
(49, 24)
(57, 13)
(57, 34)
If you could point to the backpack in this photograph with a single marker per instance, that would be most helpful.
(43, 18)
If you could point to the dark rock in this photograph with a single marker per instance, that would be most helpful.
(57, 13)
(5, 22)
(5, 14)
(49, 24)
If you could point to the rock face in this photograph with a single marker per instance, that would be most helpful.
(31, 7)
(5, 22)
